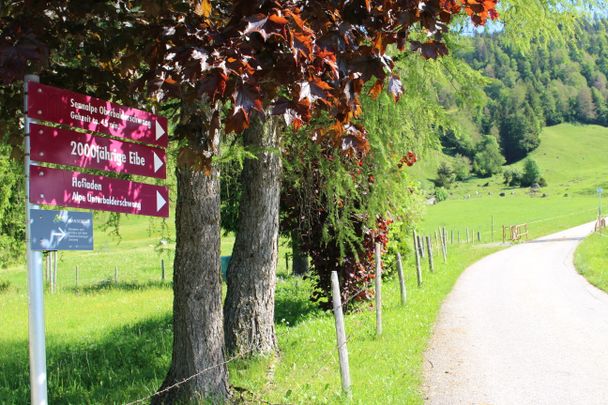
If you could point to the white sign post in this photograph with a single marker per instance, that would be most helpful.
(37, 348)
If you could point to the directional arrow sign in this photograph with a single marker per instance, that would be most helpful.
(61, 230)
(72, 189)
(54, 145)
(78, 110)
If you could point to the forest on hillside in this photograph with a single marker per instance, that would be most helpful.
(543, 85)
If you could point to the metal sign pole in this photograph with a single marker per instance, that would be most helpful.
(38, 377)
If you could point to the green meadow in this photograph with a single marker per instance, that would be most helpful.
(591, 260)
(572, 160)
(111, 343)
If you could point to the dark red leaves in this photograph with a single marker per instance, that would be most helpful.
(315, 90)
(245, 100)
(431, 49)
(318, 55)
(409, 159)
(213, 85)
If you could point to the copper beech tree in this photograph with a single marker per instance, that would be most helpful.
(233, 66)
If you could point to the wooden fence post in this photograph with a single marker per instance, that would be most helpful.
(77, 276)
(421, 246)
(46, 268)
(504, 236)
(418, 267)
(401, 279)
(467, 235)
(162, 270)
(378, 291)
(430, 252)
(115, 274)
(459, 237)
(340, 333)
(479, 236)
(452, 236)
(442, 246)
(54, 271)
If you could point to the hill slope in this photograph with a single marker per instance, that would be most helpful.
(571, 158)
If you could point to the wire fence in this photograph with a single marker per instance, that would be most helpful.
(81, 278)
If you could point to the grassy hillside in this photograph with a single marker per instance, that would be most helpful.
(571, 158)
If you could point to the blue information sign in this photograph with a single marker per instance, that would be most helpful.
(61, 230)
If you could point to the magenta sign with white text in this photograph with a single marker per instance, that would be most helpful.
(54, 145)
(80, 190)
(61, 106)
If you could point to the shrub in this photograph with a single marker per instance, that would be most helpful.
(512, 177)
(462, 167)
(4, 286)
(488, 159)
(441, 194)
(445, 175)
(531, 173)
(542, 182)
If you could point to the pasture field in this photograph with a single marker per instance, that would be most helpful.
(572, 158)
(111, 343)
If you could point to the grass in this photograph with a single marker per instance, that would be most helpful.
(387, 369)
(591, 260)
(112, 343)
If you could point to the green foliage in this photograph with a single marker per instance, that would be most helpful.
(457, 142)
(531, 173)
(512, 177)
(560, 76)
(445, 175)
(488, 159)
(12, 210)
(441, 194)
(462, 167)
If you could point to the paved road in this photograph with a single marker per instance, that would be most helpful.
(522, 327)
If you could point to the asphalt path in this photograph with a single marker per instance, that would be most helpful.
(521, 326)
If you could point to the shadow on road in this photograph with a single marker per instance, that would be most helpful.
(557, 240)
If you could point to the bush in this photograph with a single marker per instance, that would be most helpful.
(445, 175)
(542, 182)
(4, 286)
(461, 167)
(531, 174)
(441, 194)
(512, 177)
(488, 159)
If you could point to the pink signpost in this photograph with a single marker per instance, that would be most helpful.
(80, 111)
(54, 145)
(51, 186)
(81, 190)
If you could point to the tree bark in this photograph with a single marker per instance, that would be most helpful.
(249, 306)
(299, 256)
(198, 332)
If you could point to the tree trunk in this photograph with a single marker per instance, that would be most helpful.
(249, 306)
(198, 333)
(299, 257)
